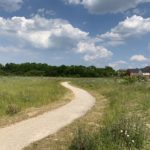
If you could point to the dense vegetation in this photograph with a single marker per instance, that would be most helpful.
(34, 69)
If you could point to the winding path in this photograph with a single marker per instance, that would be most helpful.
(19, 135)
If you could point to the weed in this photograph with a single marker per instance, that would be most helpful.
(12, 109)
(125, 134)
(83, 141)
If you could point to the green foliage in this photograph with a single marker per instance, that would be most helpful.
(141, 78)
(122, 73)
(34, 69)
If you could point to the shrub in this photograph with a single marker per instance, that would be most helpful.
(12, 109)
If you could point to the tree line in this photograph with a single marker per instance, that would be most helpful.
(39, 69)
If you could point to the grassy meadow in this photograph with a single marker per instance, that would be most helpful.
(124, 99)
(23, 97)
(118, 121)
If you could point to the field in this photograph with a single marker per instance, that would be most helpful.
(119, 120)
(120, 107)
(24, 97)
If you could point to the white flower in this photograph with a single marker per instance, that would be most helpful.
(121, 131)
(128, 135)
(132, 141)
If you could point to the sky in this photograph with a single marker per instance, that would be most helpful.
(103, 33)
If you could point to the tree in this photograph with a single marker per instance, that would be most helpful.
(38, 69)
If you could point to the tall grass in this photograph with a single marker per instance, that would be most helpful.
(111, 120)
(125, 134)
(125, 101)
(19, 93)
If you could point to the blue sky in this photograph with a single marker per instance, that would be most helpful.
(76, 32)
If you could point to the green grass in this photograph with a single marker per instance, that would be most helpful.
(130, 101)
(122, 101)
(18, 94)
(125, 134)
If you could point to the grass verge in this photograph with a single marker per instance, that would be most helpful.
(24, 97)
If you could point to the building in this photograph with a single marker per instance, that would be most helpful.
(145, 72)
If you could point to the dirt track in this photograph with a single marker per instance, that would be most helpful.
(19, 135)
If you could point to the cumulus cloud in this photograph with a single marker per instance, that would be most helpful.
(10, 5)
(139, 58)
(93, 51)
(135, 26)
(40, 32)
(118, 64)
(48, 34)
(105, 6)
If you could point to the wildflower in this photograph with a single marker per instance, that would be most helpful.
(128, 135)
(121, 131)
(133, 141)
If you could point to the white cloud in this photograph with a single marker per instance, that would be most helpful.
(44, 12)
(73, 1)
(40, 32)
(118, 64)
(48, 34)
(93, 51)
(10, 5)
(135, 26)
(139, 58)
(135, 11)
(107, 6)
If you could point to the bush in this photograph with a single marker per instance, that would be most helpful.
(12, 109)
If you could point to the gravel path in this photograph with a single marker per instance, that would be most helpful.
(19, 135)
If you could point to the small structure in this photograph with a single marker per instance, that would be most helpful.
(144, 72)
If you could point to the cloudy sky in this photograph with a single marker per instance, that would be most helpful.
(76, 32)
